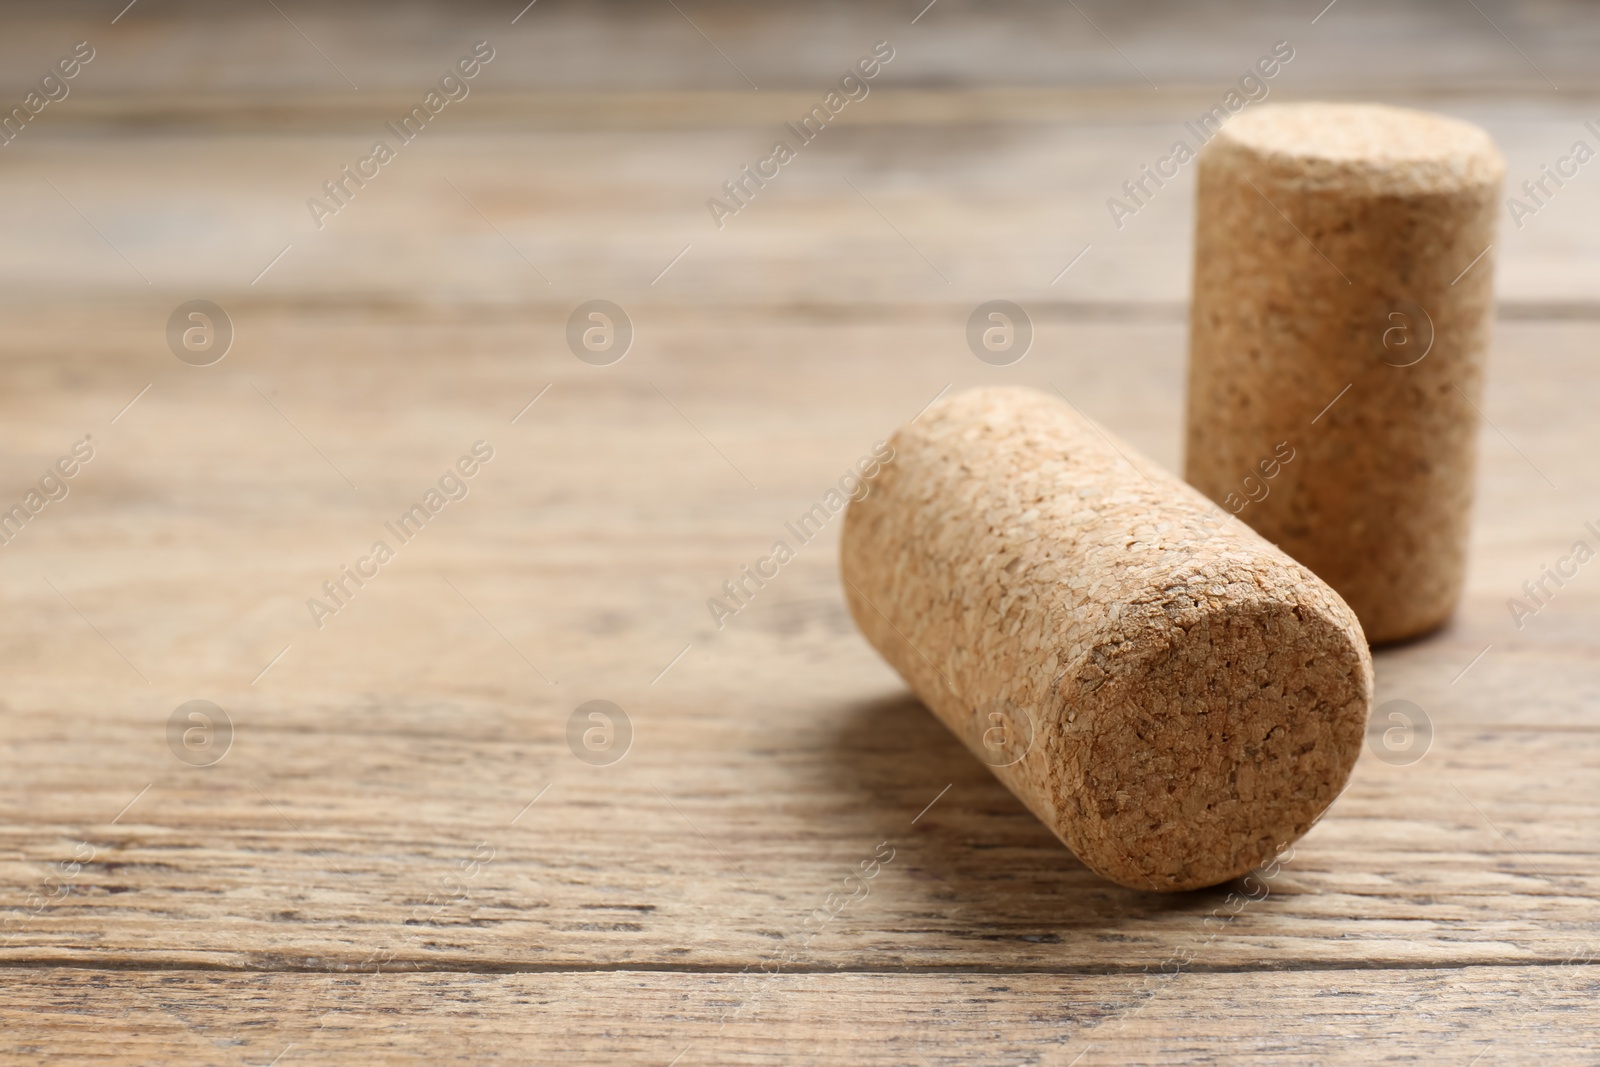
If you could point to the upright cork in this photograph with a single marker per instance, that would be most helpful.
(1342, 303)
(1173, 696)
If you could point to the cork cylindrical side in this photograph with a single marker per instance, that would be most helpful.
(1173, 696)
(1343, 301)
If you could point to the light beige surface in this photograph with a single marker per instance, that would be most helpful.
(1432, 914)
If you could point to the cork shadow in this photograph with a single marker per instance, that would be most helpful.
(986, 868)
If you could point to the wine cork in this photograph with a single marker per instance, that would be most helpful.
(1342, 305)
(1173, 696)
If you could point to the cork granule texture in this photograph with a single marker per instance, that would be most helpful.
(1332, 252)
(1188, 698)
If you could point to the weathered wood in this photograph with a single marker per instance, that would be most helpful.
(1500, 1015)
(1435, 914)
(337, 813)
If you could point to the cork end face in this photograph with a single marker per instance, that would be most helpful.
(1370, 149)
(1212, 752)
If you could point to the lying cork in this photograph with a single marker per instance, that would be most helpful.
(1173, 696)
(1342, 303)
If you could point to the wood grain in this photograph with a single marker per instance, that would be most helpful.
(1500, 1015)
(1441, 911)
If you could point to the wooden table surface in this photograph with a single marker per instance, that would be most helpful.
(401, 857)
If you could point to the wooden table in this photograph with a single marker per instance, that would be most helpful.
(401, 858)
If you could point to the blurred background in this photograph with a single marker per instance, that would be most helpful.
(594, 137)
(373, 346)
(184, 159)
